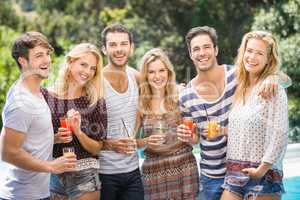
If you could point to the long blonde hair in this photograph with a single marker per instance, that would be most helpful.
(271, 67)
(94, 87)
(146, 93)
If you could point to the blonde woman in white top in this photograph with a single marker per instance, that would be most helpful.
(258, 129)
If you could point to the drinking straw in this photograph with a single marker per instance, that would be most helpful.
(206, 112)
(125, 127)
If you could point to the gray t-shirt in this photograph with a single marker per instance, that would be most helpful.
(30, 115)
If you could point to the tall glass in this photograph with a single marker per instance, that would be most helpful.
(64, 123)
(161, 128)
(188, 121)
(212, 129)
(68, 151)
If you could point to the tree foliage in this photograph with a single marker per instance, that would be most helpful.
(154, 23)
(7, 15)
(283, 19)
(8, 69)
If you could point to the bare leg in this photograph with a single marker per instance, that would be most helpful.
(90, 196)
(266, 197)
(227, 195)
(57, 197)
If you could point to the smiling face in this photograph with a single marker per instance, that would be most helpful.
(83, 69)
(117, 48)
(256, 56)
(38, 63)
(157, 74)
(203, 53)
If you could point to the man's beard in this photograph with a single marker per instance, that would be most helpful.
(36, 72)
(207, 67)
(111, 60)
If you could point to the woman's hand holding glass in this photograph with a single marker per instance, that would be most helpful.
(187, 133)
(158, 137)
(156, 140)
(64, 134)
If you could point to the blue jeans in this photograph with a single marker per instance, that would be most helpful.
(123, 186)
(210, 188)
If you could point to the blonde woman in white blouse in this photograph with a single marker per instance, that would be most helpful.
(257, 132)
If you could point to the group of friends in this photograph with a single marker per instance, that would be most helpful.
(113, 111)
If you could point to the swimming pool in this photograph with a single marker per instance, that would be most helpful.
(292, 187)
(291, 172)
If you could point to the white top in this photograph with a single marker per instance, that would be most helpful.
(30, 115)
(120, 106)
(258, 130)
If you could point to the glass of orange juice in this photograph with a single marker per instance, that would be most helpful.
(68, 151)
(212, 129)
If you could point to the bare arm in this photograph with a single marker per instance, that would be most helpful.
(137, 76)
(92, 146)
(89, 144)
(13, 153)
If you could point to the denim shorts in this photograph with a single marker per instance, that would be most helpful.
(243, 186)
(74, 184)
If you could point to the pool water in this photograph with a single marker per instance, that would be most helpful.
(292, 188)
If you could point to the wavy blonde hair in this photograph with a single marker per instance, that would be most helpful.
(272, 64)
(146, 93)
(94, 87)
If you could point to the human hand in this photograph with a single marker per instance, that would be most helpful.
(254, 172)
(156, 140)
(63, 164)
(75, 121)
(63, 135)
(268, 87)
(184, 133)
(125, 146)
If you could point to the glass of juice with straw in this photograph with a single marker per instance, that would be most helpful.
(212, 126)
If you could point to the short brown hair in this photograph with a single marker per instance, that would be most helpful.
(28, 41)
(115, 28)
(201, 30)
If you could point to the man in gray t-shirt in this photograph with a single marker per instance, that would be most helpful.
(27, 135)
